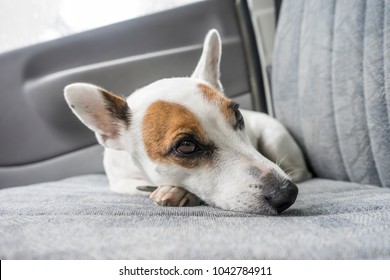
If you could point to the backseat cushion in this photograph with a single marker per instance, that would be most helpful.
(80, 218)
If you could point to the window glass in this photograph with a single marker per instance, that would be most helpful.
(26, 22)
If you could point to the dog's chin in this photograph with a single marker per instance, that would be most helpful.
(263, 210)
(269, 211)
(257, 209)
(266, 211)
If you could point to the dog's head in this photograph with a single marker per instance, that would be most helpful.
(185, 132)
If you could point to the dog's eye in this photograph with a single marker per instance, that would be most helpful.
(186, 147)
(239, 118)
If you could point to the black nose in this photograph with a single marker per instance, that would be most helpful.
(280, 198)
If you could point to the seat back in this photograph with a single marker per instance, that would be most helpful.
(331, 86)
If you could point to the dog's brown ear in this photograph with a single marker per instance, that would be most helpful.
(208, 65)
(107, 114)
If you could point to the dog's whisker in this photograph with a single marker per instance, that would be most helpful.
(289, 169)
(293, 171)
(279, 162)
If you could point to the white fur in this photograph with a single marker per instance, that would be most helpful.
(211, 56)
(226, 183)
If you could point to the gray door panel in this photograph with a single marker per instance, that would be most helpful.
(42, 140)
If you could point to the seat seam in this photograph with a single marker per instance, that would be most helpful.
(365, 94)
(387, 96)
(299, 80)
(332, 70)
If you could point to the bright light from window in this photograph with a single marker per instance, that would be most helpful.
(30, 22)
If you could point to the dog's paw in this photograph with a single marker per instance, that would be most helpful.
(174, 196)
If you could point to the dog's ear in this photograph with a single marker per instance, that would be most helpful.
(208, 65)
(107, 114)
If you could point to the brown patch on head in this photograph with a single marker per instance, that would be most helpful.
(213, 96)
(164, 124)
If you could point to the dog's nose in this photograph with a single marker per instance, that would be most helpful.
(282, 197)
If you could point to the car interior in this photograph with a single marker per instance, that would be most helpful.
(320, 67)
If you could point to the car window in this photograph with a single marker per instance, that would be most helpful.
(29, 22)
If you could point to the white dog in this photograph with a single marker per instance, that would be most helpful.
(184, 136)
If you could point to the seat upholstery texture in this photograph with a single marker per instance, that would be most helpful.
(80, 218)
(331, 85)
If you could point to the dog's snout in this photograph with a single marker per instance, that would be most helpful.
(281, 197)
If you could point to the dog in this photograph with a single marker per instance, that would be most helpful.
(184, 136)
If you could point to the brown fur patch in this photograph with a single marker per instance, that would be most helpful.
(213, 96)
(112, 116)
(166, 122)
(117, 106)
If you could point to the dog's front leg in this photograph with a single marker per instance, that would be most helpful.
(174, 196)
(123, 175)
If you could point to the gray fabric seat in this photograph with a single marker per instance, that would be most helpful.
(331, 90)
(331, 86)
(80, 218)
